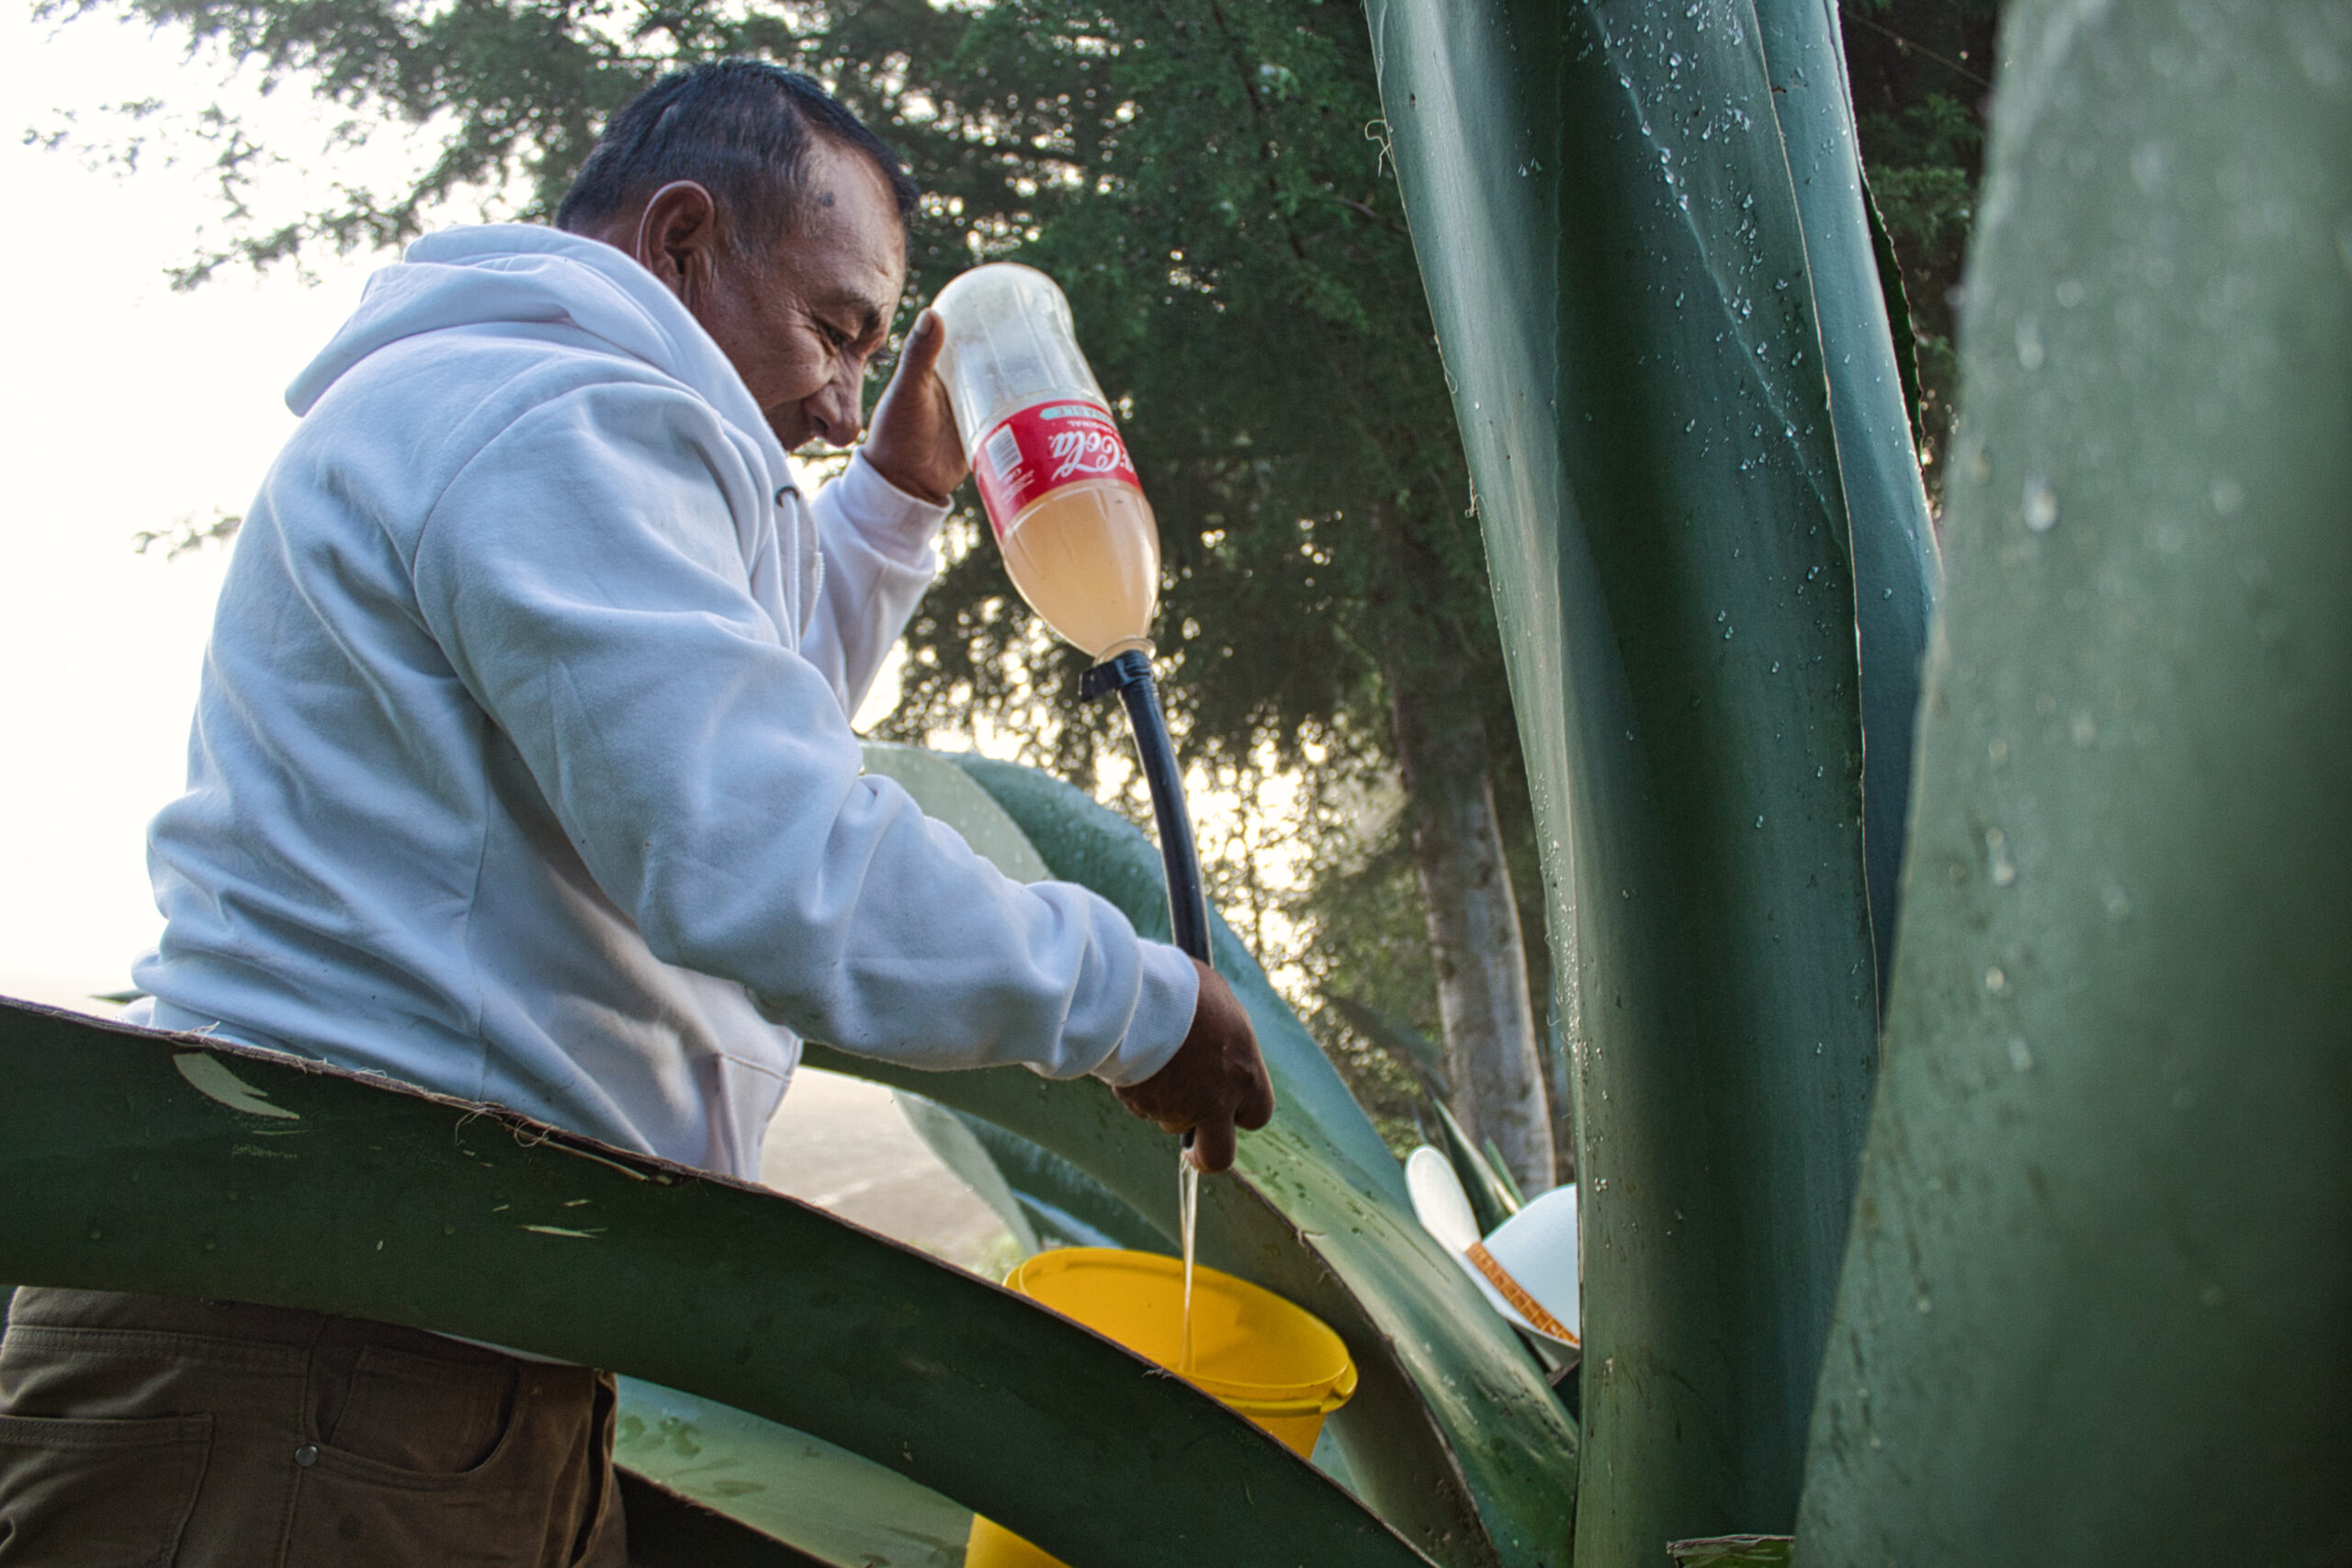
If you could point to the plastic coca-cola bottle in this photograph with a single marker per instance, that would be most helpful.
(1077, 535)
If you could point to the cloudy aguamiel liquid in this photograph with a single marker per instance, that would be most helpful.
(1188, 1215)
(1062, 497)
(1087, 559)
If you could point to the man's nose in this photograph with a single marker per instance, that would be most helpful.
(837, 410)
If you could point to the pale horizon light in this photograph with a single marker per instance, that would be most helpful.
(125, 407)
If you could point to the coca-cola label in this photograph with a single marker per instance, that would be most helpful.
(1042, 448)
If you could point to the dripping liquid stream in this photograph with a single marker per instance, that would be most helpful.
(1188, 1211)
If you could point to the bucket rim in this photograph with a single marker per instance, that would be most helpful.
(1272, 1401)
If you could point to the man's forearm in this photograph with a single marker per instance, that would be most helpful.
(876, 542)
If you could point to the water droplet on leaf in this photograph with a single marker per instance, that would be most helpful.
(2031, 354)
(2041, 504)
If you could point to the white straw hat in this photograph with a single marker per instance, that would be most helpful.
(1527, 1270)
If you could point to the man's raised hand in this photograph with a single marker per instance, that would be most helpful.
(912, 440)
(1215, 1082)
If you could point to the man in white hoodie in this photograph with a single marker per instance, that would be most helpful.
(522, 771)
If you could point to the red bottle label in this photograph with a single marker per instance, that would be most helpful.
(1042, 448)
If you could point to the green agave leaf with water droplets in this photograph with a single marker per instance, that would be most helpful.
(2095, 1306)
(1643, 235)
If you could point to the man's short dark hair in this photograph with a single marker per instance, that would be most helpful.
(740, 129)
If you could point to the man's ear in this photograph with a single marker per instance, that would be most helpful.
(678, 239)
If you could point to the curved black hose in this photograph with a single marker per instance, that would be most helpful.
(1129, 674)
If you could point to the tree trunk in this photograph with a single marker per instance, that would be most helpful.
(1490, 1029)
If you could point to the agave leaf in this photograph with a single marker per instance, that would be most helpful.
(1905, 335)
(1731, 1552)
(171, 1163)
(1512, 1194)
(1615, 254)
(931, 776)
(1452, 1436)
(831, 1504)
(1872, 408)
(1490, 1201)
(2096, 1306)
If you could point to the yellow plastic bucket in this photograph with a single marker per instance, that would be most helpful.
(1253, 1351)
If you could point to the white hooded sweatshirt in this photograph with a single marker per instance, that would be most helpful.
(521, 767)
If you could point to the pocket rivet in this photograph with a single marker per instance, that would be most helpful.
(307, 1455)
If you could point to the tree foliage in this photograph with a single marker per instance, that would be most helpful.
(1201, 180)
(1921, 74)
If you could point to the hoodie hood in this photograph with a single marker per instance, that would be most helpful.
(499, 272)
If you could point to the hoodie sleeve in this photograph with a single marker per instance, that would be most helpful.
(582, 575)
(878, 559)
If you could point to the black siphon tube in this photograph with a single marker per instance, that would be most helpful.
(1130, 675)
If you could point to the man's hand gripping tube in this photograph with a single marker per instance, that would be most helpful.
(1223, 1077)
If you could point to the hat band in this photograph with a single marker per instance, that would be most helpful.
(1516, 1293)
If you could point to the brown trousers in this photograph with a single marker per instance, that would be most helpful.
(157, 1432)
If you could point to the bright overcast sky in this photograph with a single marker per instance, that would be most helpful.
(125, 406)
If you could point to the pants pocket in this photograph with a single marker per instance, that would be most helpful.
(525, 1504)
(422, 1413)
(98, 1494)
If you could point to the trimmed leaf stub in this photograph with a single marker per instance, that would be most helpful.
(1732, 1551)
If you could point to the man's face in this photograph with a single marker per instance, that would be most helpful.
(799, 323)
